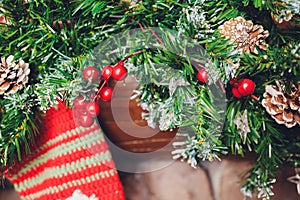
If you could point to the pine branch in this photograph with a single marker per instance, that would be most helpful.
(19, 125)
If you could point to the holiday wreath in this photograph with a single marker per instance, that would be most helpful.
(242, 93)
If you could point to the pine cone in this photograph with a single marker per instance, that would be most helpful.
(245, 34)
(13, 75)
(284, 108)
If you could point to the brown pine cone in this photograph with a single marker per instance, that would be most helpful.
(244, 34)
(284, 108)
(13, 75)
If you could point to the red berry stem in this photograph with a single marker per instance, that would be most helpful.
(141, 27)
(157, 37)
(221, 86)
(199, 66)
(153, 33)
(133, 54)
(256, 98)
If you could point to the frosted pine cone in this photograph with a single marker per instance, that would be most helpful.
(284, 108)
(244, 34)
(13, 75)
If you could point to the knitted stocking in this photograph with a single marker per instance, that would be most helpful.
(70, 162)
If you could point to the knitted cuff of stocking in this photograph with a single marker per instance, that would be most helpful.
(69, 162)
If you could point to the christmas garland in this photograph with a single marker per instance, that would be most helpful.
(252, 53)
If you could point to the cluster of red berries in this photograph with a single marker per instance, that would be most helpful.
(85, 111)
(242, 88)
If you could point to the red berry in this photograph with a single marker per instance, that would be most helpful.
(93, 109)
(85, 120)
(90, 74)
(119, 71)
(106, 94)
(236, 93)
(246, 87)
(79, 102)
(202, 76)
(107, 72)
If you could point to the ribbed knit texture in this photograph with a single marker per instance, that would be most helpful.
(68, 158)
